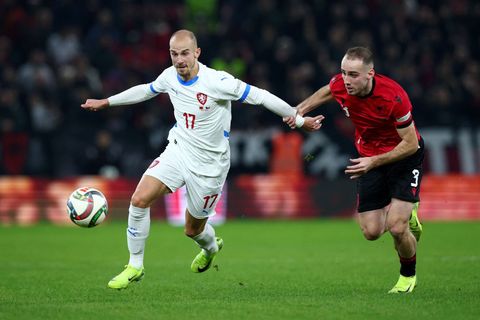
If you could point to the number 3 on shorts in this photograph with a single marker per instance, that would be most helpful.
(415, 173)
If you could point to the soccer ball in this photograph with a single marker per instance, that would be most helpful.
(87, 207)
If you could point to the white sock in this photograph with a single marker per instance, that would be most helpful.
(137, 233)
(206, 240)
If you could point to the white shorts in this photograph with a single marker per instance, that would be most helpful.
(202, 193)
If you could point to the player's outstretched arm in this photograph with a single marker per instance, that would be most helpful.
(230, 88)
(278, 106)
(130, 96)
(320, 97)
(95, 104)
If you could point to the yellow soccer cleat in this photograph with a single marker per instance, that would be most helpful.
(202, 263)
(404, 284)
(414, 224)
(126, 277)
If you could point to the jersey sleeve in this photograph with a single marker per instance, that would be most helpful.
(402, 110)
(336, 84)
(230, 88)
(159, 85)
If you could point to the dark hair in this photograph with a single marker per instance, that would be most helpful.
(361, 53)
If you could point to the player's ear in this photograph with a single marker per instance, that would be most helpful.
(197, 52)
(371, 73)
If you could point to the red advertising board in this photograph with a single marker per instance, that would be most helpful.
(451, 197)
(25, 201)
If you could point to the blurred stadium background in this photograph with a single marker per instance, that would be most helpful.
(55, 54)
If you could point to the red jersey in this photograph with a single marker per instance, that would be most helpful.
(377, 115)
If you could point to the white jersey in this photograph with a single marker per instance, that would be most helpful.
(202, 108)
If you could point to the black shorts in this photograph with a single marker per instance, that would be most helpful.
(400, 180)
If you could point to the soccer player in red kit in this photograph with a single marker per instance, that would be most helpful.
(389, 167)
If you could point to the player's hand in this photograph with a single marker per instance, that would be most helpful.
(95, 105)
(313, 123)
(359, 167)
(290, 121)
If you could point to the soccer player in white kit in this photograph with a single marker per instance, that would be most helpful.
(198, 153)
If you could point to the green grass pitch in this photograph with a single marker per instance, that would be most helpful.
(314, 269)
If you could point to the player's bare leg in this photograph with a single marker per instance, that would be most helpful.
(147, 191)
(373, 223)
(194, 226)
(397, 223)
(405, 244)
(204, 235)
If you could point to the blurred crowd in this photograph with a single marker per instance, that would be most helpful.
(56, 54)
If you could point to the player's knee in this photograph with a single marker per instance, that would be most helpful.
(398, 228)
(139, 201)
(372, 233)
(371, 236)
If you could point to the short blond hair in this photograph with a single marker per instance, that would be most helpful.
(361, 53)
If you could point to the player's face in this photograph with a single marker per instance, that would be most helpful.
(356, 76)
(184, 56)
